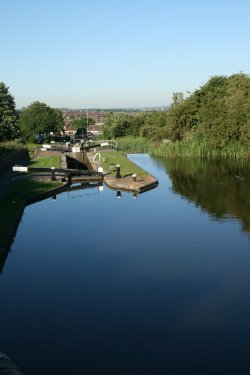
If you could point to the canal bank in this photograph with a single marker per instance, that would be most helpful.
(37, 186)
(120, 173)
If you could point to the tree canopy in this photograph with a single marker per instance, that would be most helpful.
(38, 119)
(8, 115)
(218, 112)
(82, 123)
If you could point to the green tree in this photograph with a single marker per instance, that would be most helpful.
(59, 120)
(177, 98)
(8, 115)
(82, 123)
(38, 119)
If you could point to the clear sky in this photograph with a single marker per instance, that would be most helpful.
(118, 53)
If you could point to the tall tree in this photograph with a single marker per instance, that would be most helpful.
(8, 115)
(38, 119)
(177, 98)
(59, 120)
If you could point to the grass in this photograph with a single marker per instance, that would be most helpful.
(137, 145)
(12, 202)
(112, 158)
(46, 162)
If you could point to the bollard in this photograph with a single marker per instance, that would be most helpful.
(53, 175)
(134, 177)
(118, 171)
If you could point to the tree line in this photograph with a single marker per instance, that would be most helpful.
(218, 112)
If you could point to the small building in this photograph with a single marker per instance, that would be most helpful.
(95, 129)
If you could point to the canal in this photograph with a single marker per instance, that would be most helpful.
(98, 282)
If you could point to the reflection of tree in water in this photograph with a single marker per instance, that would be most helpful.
(221, 187)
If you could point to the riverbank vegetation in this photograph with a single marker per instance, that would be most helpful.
(213, 121)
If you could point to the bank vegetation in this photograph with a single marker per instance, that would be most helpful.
(214, 121)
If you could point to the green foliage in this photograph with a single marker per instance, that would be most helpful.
(203, 182)
(7, 147)
(38, 119)
(134, 144)
(200, 148)
(218, 112)
(11, 203)
(81, 123)
(177, 98)
(148, 125)
(8, 115)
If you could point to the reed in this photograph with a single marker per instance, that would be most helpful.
(201, 149)
(137, 145)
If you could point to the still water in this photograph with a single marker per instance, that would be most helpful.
(153, 284)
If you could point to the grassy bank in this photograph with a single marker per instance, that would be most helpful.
(14, 200)
(46, 162)
(192, 148)
(109, 160)
(7, 147)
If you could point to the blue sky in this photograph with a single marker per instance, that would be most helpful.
(123, 53)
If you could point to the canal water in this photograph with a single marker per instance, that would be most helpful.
(99, 282)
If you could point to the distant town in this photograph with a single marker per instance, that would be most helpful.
(98, 115)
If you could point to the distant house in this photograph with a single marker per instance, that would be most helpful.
(95, 129)
(68, 130)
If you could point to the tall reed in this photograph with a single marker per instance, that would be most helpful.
(135, 145)
(198, 148)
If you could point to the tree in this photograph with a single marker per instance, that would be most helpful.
(39, 119)
(177, 98)
(59, 120)
(81, 123)
(8, 115)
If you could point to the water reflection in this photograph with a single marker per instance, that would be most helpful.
(220, 187)
(117, 283)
